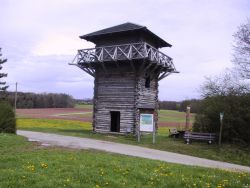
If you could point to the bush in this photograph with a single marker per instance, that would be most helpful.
(236, 108)
(228, 94)
(7, 118)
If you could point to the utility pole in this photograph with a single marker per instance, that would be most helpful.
(15, 97)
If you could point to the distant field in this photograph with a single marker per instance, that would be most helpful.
(173, 118)
(84, 106)
(81, 114)
(84, 113)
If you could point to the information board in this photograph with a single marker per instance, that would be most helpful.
(147, 122)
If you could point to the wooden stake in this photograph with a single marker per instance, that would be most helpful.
(15, 97)
(187, 118)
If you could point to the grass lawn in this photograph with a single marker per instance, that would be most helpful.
(84, 106)
(164, 115)
(26, 164)
(228, 153)
(174, 116)
(80, 115)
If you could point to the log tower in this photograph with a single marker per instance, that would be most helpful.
(126, 66)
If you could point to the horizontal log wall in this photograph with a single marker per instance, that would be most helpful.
(115, 91)
(146, 97)
(121, 89)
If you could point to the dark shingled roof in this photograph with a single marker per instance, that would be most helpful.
(124, 28)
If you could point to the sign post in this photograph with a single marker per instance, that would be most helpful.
(154, 133)
(187, 118)
(147, 125)
(138, 134)
(221, 124)
(15, 98)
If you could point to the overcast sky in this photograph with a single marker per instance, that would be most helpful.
(39, 38)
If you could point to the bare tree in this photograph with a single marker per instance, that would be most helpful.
(241, 47)
(224, 84)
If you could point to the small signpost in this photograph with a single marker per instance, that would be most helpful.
(187, 118)
(15, 98)
(146, 125)
(221, 124)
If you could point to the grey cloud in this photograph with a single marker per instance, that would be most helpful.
(200, 31)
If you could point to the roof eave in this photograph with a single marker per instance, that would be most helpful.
(162, 43)
(89, 36)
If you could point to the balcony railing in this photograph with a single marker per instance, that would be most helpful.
(124, 52)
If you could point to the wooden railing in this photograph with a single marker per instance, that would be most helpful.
(123, 52)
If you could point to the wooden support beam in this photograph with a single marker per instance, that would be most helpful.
(91, 70)
(152, 72)
(164, 75)
(86, 70)
(110, 55)
(130, 52)
(104, 67)
(115, 54)
(100, 56)
(147, 67)
(137, 51)
(132, 66)
(158, 71)
(141, 67)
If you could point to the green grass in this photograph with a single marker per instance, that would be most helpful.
(227, 153)
(174, 116)
(164, 115)
(84, 106)
(25, 164)
(81, 115)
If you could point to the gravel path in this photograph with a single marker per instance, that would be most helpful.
(85, 143)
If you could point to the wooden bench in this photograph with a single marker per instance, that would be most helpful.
(173, 133)
(189, 136)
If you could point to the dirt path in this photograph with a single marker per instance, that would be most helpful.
(85, 143)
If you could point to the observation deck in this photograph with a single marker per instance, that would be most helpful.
(87, 58)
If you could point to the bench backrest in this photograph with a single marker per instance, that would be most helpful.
(200, 136)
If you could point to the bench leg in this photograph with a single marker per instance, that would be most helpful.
(187, 141)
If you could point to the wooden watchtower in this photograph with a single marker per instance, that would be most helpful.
(126, 66)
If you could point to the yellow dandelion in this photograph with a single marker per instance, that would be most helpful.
(219, 186)
(44, 165)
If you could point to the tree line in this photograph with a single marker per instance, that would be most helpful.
(163, 105)
(42, 100)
